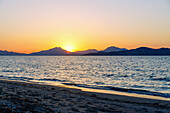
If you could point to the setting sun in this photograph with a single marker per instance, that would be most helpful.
(69, 48)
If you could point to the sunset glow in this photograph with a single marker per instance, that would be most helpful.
(69, 48)
(34, 25)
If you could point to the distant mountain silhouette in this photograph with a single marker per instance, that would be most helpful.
(53, 51)
(9, 53)
(138, 51)
(109, 49)
(86, 51)
(114, 49)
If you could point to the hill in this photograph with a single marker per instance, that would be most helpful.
(114, 49)
(53, 51)
(7, 53)
(86, 51)
(139, 51)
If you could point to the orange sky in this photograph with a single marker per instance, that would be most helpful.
(33, 25)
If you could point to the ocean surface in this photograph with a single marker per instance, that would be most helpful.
(133, 74)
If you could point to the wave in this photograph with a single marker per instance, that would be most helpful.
(17, 78)
(99, 85)
(129, 90)
(48, 79)
(161, 79)
(28, 78)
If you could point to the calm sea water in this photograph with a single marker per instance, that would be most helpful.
(137, 74)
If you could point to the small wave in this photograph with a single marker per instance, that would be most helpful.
(138, 91)
(161, 79)
(23, 78)
(48, 79)
(12, 71)
(141, 91)
(108, 75)
(99, 83)
(7, 71)
(17, 78)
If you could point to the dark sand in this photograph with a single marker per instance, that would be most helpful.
(28, 97)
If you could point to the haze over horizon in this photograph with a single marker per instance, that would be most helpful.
(33, 25)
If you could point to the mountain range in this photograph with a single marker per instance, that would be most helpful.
(10, 53)
(53, 51)
(111, 51)
(135, 52)
(114, 49)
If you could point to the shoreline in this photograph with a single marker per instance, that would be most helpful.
(104, 91)
(26, 96)
(120, 91)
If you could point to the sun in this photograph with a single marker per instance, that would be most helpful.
(69, 48)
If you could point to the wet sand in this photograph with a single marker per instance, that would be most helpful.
(18, 96)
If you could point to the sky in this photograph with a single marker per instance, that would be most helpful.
(33, 25)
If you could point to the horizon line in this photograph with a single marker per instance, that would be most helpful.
(82, 50)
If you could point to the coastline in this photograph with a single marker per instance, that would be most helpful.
(17, 96)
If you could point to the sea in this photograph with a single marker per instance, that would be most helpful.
(149, 75)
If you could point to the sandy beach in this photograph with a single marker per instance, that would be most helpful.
(28, 97)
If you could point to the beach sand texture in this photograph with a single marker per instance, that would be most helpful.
(29, 97)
